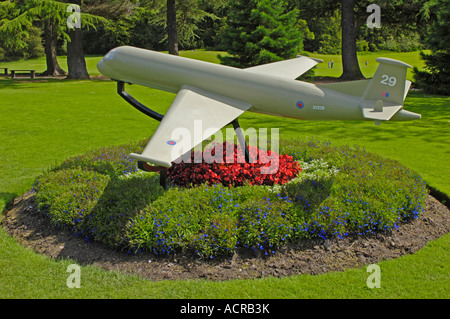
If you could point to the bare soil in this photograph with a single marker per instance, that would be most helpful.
(22, 221)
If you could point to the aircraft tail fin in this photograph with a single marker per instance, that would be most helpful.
(389, 82)
(382, 96)
(386, 92)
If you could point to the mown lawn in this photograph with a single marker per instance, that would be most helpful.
(322, 69)
(91, 61)
(43, 123)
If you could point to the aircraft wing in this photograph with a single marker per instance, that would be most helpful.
(380, 111)
(194, 116)
(291, 69)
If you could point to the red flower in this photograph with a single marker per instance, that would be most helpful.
(278, 169)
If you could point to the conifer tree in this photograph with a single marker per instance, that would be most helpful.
(436, 79)
(259, 32)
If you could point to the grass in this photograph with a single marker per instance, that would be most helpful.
(25, 274)
(412, 58)
(322, 69)
(39, 64)
(46, 122)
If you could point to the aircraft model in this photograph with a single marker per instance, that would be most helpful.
(217, 95)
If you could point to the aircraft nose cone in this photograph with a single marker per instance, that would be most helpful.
(102, 66)
(110, 55)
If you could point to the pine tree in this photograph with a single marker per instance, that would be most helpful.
(259, 32)
(436, 79)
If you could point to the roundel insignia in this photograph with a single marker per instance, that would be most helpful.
(172, 143)
(300, 104)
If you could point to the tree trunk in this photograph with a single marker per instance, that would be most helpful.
(172, 27)
(51, 36)
(75, 55)
(351, 69)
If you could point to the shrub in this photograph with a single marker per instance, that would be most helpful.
(218, 238)
(264, 224)
(69, 196)
(341, 191)
(362, 46)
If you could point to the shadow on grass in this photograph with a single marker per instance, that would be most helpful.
(121, 202)
(27, 83)
(433, 110)
(12, 84)
(6, 200)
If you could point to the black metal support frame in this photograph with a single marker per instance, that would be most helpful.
(241, 139)
(162, 172)
(136, 104)
(156, 116)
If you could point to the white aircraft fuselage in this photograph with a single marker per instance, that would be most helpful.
(268, 94)
(216, 95)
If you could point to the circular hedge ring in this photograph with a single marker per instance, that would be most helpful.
(325, 191)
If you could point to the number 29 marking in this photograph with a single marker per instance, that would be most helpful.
(386, 80)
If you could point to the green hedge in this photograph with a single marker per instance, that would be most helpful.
(341, 191)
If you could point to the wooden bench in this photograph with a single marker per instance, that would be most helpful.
(32, 73)
(5, 70)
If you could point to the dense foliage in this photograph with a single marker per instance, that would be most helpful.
(436, 77)
(341, 191)
(253, 32)
(260, 32)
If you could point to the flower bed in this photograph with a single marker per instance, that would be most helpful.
(232, 170)
(340, 191)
